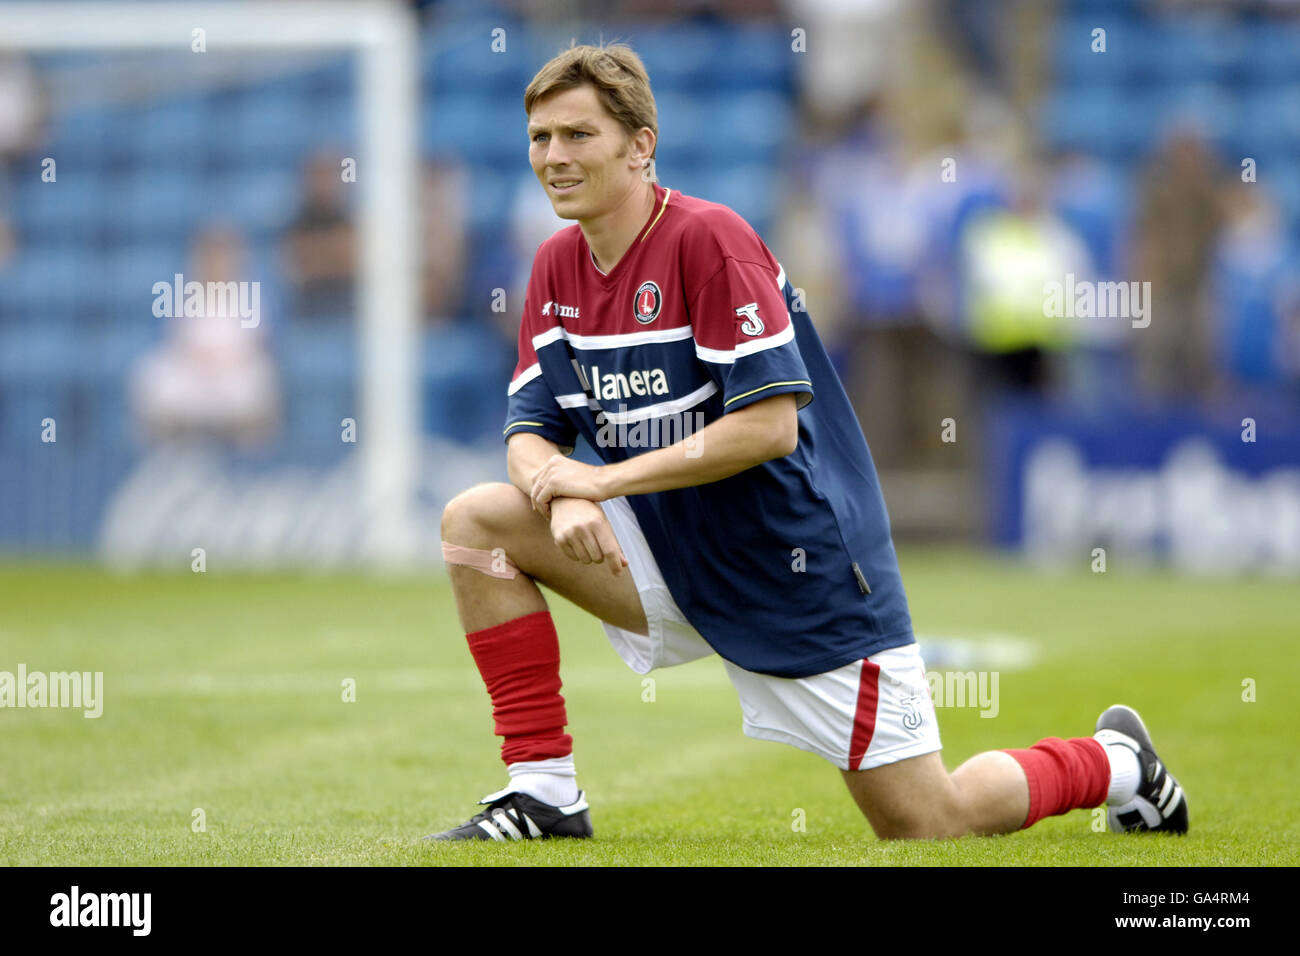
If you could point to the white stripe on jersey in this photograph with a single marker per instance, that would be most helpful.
(729, 356)
(672, 407)
(526, 376)
(617, 341)
(553, 334)
(650, 337)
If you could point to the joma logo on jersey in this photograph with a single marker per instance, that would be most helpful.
(614, 385)
(752, 325)
(563, 311)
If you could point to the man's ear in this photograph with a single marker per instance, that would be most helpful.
(642, 147)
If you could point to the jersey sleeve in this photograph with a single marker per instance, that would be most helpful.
(744, 336)
(531, 405)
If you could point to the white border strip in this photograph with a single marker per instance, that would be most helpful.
(628, 416)
(729, 356)
(622, 340)
(524, 377)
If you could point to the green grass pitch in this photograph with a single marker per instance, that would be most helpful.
(223, 693)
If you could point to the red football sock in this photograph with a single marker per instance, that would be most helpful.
(520, 664)
(1063, 775)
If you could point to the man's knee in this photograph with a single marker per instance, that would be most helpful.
(911, 800)
(935, 818)
(482, 515)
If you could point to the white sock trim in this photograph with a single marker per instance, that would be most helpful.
(1125, 771)
(553, 781)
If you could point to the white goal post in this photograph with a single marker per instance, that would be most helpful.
(384, 36)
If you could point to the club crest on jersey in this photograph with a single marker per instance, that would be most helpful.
(649, 300)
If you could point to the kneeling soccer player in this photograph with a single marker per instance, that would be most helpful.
(737, 511)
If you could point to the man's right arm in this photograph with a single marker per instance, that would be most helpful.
(526, 453)
(579, 527)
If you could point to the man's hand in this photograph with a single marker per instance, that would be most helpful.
(584, 533)
(563, 477)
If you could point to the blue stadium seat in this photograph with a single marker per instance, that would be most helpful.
(1095, 120)
(1071, 57)
(1273, 53)
(318, 363)
(1253, 133)
(685, 136)
(749, 190)
(80, 134)
(121, 147)
(23, 406)
(44, 350)
(166, 203)
(28, 298)
(90, 264)
(491, 194)
(272, 125)
(15, 293)
(335, 123)
(749, 125)
(48, 280)
(319, 352)
(315, 407)
(1195, 50)
(460, 59)
(336, 76)
(258, 198)
(1270, 119)
(678, 57)
(752, 58)
(476, 128)
(102, 387)
(61, 208)
(175, 133)
(462, 367)
(119, 345)
(11, 303)
(109, 414)
(131, 272)
(1133, 52)
(113, 207)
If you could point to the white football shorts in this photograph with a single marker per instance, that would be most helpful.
(865, 714)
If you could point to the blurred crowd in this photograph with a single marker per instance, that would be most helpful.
(920, 214)
(929, 218)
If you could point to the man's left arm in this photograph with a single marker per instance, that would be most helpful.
(749, 436)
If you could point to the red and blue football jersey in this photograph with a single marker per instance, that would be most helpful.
(787, 568)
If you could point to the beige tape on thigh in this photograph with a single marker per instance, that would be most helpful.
(493, 563)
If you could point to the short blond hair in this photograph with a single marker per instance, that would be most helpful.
(617, 74)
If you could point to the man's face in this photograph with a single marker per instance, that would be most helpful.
(581, 154)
